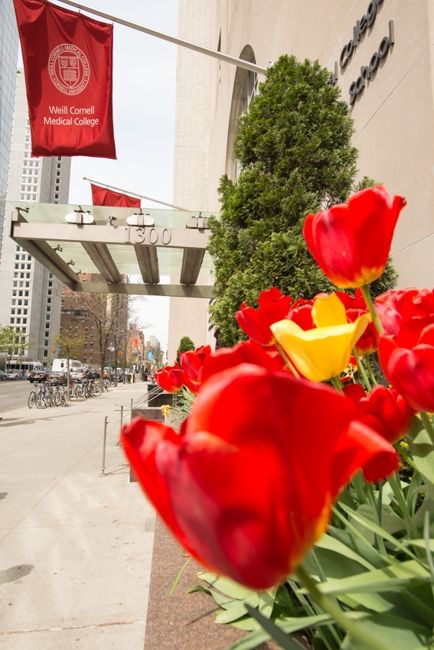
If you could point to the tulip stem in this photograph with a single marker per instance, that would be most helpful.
(370, 305)
(395, 483)
(367, 365)
(362, 369)
(287, 360)
(427, 423)
(337, 384)
(341, 618)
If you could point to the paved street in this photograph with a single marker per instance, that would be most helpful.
(75, 546)
(13, 395)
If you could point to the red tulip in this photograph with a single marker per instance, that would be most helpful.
(383, 409)
(407, 360)
(244, 352)
(170, 378)
(272, 307)
(350, 242)
(396, 307)
(301, 313)
(248, 486)
(192, 363)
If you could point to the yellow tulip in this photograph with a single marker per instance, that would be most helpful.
(323, 352)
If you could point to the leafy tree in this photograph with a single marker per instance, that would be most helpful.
(13, 341)
(9, 339)
(71, 342)
(185, 344)
(294, 149)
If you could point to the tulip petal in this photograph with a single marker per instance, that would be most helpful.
(371, 453)
(328, 310)
(140, 441)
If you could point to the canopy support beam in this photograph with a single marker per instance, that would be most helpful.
(148, 263)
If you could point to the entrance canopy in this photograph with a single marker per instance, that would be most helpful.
(95, 248)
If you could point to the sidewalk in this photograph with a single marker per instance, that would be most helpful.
(75, 546)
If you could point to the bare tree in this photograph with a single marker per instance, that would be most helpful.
(106, 311)
(119, 334)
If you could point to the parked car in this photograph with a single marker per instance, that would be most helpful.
(38, 375)
(13, 374)
(57, 377)
(2, 375)
(77, 373)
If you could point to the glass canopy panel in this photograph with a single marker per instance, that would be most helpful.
(55, 213)
(124, 256)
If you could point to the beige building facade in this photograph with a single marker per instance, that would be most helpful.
(382, 56)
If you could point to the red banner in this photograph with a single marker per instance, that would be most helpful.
(68, 70)
(103, 196)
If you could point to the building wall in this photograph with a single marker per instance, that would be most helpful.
(8, 68)
(193, 121)
(76, 317)
(393, 117)
(30, 296)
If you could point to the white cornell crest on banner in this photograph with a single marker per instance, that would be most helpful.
(68, 69)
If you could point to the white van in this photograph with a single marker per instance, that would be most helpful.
(60, 365)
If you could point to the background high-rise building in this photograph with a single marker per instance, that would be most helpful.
(30, 296)
(8, 68)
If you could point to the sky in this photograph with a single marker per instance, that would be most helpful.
(144, 73)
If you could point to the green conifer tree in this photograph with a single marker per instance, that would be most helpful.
(295, 152)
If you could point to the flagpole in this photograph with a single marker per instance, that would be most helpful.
(142, 196)
(241, 63)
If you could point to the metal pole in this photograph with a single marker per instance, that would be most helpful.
(246, 65)
(119, 443)
(142, 196)
(104, 444)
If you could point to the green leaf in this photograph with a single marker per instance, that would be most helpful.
(368, 600)
(423, 455)
(226, 586)
(288, 625)
(390, 521)
(179, 576)
(266, 603)
(274, 631)
(329, 543)
(353, 538)
(233, 612)
(396, 631)
(248, 624)
(378, 530)
(421, 543)
(406, 574)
